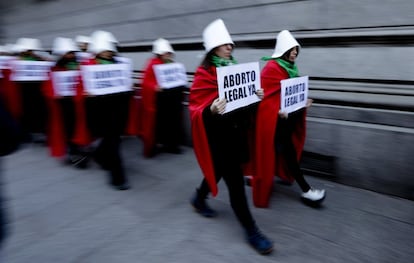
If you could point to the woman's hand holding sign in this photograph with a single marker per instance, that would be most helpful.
(260, 93)
(158, 88)
(218, 106)
(283, 114)
(309, 103)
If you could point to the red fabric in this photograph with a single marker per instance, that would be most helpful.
(134, 125)
(203, 91)
(56, 136)
(149, 96)
(81, 135)
(266, 162)
(11, 94)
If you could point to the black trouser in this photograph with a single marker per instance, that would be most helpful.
(67, 107)
(106, 117)
(168, 127)
(108, 153)
(34, 108)
(232, 175)
(284, 146)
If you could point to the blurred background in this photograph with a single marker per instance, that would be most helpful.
(359, 56)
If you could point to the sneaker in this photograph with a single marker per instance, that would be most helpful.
(201, 207)
(314, 195)
(259, 241)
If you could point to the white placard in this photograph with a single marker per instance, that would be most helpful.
(124, 60)
(238, 84)
(170, 75)
(27, 70)
(65, 82)
(107, 79)
(294, 94)
(4, 61)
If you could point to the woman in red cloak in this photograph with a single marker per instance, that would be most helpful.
(108, 115)
(220, 140)
(280, 136)
(63, 117)
(162, 108)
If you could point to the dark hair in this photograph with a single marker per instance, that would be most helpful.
(63, 60)
(206, 62)
(285, 55)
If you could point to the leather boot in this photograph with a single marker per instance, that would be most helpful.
(201, 207)
(259, 241)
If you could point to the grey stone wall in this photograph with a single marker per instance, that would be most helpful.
(359, 56)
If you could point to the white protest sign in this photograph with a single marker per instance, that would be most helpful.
(27, 70)
(65, 82)
(107, 79)
(238, 84)
(124, 60)
(294, 94)
(4, 61)
(170, 75)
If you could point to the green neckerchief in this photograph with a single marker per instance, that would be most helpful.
(28, 58)
(220, 62)
(168, 61)
(72, 65)
(105, 61)
(290, 67)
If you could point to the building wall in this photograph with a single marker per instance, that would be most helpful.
(359, 56)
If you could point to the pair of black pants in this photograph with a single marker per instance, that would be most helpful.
(168, 128)
(67, 107)
(284, 146)
(106, 117)
(109, 156)
(34, 108)
(232, 175)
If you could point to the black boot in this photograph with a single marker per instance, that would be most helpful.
(117, 174)
(259, 241)
(201, 206)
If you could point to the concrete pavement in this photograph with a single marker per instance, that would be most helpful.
(62, 214)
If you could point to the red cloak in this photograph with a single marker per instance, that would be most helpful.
(149, 99)
(82, 135)
(56, 137)
(202, 93)
(10, 92)
(267, 162)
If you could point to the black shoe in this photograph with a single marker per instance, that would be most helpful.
(173, 150)
(259, 241)
(78, 161)
(121, 187)
(82, 163)
(201, 207)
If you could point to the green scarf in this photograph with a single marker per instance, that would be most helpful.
(290, 67)
(105, 61)
(167, 61)
(72, 65)
(28, 58)
(220, 62)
